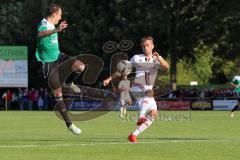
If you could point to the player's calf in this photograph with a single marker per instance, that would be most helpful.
(141, 120)
(143, 124)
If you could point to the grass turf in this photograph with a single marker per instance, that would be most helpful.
(40, 135)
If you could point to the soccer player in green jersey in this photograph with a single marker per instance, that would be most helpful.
(55, 63)
(236, 84)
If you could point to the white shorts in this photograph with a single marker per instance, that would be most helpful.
(125, 102)
(146, 104)
(125, 99)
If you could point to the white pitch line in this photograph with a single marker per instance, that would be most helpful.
(20, 146)
(112, 143)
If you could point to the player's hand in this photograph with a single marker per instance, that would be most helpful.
(106, 82)
(62, 26)
(156, 55)
(161, 60)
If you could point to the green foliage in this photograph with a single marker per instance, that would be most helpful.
(203, 63)
(199, 69)
(11, 20)
(185, 72)
(163, 79)
(18, 20)
(227, 68)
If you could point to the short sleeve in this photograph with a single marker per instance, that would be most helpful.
(42, 26)
(133, 61)
(235, 81)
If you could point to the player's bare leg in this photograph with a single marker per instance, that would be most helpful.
(143, 123)
(122, 103)
(233, 110)
(78, 67)
(123, 112)
(125, 108)
(147, 115)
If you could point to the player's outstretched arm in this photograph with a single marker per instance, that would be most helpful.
(45, 33)
(233, 86)
(163, 62)
(114, 75)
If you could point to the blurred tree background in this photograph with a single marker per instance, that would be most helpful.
(199, 38)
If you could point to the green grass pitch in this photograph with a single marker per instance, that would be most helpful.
(40, 136)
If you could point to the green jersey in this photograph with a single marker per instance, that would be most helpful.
(236, 81)
(47, 47)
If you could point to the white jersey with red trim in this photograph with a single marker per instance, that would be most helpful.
(146, 72)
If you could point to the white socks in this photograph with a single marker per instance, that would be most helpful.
(143, 126)
(123, 110)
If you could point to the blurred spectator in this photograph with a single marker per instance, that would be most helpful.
(20, 98)
(14, 101)
(40, 103)
(45, 99)
(30, 98)
(25, 100)
(7, 98)
(35, 96)
(40, 99)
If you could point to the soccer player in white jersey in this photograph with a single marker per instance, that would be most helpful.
(147, 66)
(125, 98)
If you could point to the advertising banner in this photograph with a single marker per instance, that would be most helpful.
(224, 104)
(13, 66)
(201, 105)
(174, 105)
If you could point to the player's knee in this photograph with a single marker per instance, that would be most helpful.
(57, 92)
(153, 114)
(81, 67)
(129, 103)
(78, 66)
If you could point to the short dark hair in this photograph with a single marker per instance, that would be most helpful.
(145, 38)
(52, 8)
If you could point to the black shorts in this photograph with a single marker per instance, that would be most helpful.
(56, 72)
